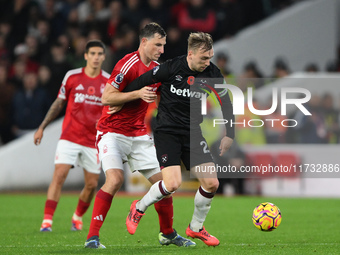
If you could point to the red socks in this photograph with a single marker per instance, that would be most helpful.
(102, 204)
(165, 212)
(50, 207)
(82, 208)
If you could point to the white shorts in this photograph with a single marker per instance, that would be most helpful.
(68, 153)
(116, 149)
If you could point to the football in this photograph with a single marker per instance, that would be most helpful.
(266, 216)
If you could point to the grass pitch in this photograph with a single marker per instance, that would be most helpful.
(309, 226)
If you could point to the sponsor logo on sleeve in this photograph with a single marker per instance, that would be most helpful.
(63, 90)
(119, 78)
(155, 70)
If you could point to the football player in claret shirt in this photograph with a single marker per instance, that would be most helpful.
(177, 133)
(122, 137)
(81, 90)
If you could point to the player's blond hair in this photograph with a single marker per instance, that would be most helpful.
(200, 40)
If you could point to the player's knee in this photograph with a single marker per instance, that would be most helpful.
(172, 186)
(114, 181)
(59, 178)
(212, 185)
(91, 185)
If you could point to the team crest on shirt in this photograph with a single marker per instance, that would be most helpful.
(102, 87)
(155, 70)
(91, 90)
(119, 78)
(178, 78)
(164, 158)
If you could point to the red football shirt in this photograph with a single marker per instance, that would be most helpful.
(83, 95)
(129, 121)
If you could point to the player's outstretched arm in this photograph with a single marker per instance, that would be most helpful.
(52, 113)
(113, 97)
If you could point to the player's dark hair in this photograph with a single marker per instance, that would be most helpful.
(150, 30)
(94, 43)
(200, 40)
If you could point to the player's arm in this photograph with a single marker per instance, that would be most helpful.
(227, 112)
(158, 74)
(113, 97)
(52, 113)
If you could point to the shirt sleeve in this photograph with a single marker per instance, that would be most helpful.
(158, 74)
(227, 107)
(65, 87)
(119, 79)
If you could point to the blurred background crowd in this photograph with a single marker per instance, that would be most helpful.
(40, 40)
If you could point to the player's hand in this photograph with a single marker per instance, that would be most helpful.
(38, 136)
(147, 94)
(114, 109)
(226, 142)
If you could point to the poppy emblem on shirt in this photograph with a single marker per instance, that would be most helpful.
(119, 78)
(91, 90)
(191, 80)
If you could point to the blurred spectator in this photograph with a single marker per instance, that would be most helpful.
(22, 55)
(122, 43)
(251, 76)
(17, 13)
(114, 23)
(281, 68)
(331, 117)
(42, 33)
(101, 12)
(4, 53)
(311, 68)
(77, 58)
(332, 66)
(33, 51)
(7, 91)
(57, 62)
(133, 14)
(274, 130)
(68, 6)
(29, 106)
(44, 77)
(157, 12)
(197, 17)
(175, 45)
(222, 62)
(176, 9)
(55, 18)
(311, 128)
(85, 11)
(229, 18)
(18, 72)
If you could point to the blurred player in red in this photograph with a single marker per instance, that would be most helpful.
(81, 89)
(122, 137)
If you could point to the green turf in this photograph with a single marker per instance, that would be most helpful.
(309, 226)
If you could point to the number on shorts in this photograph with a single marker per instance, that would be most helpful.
(205, 148)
